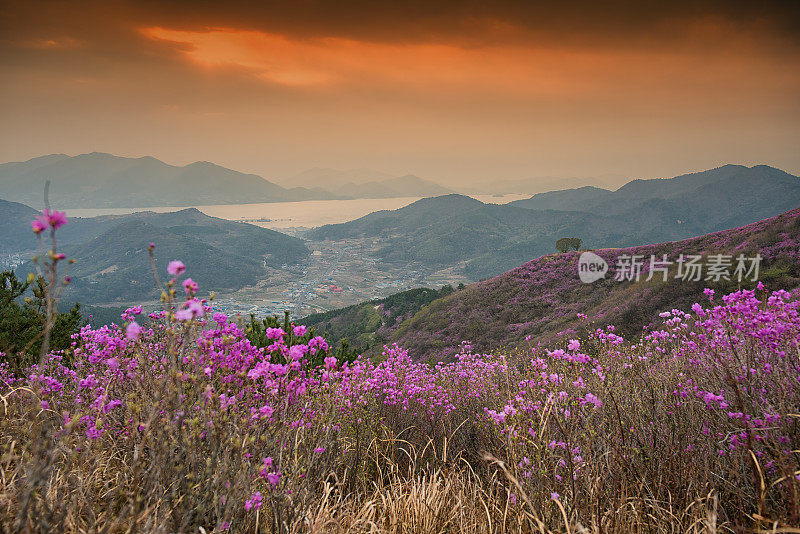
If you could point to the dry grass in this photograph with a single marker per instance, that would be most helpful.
(71, 491)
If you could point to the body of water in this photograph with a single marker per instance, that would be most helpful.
(307, 214)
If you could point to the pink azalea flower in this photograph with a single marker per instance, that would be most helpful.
(133, 331)
(176, 267)
(592, 399)
(254, 502)
(184, 314)
(299, 330)
(38, 226)
(274, 333)
(191, 309)
(190, 286)
(196, 306)
(53, 218)
(57, 219)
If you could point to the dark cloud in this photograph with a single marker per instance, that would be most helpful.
(445, 19)
(470, 22)
(617, 24)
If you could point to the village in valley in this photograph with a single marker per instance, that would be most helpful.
(336, 274)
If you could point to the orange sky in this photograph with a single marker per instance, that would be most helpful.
(459, 92)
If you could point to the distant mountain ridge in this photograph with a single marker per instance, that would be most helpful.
(327, 177)
(366, 183)
(401, 186)
(489, 238)
(102, 180)
(541, 184)
(716, 194)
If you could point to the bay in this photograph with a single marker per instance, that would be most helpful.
(287, 215)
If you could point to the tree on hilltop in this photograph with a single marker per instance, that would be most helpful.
(565, 244)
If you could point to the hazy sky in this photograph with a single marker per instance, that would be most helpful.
(457, 91)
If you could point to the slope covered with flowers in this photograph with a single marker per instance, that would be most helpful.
(545, 301)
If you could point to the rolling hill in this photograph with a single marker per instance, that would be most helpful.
(101, 180)
(112, 263)
(578, 199)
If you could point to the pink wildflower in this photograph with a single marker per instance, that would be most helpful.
(55, 219)
(192, 308)
(176, 267)
(254, 502)
(133, 331)
(38, 226)
(184, 314)
(190, 286)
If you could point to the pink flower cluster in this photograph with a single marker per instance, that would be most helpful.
(48, 219)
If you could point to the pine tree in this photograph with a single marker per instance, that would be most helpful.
(22, 321)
